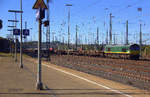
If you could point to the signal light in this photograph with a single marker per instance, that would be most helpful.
(46, 23)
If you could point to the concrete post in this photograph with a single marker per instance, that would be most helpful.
(39, 74)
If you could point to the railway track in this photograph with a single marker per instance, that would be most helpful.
(125, 71)
(136, 68)
(123, 74)
(128, 67)
(136, 76)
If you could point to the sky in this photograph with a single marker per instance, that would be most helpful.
(87, 14)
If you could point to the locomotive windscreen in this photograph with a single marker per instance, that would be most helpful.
(135, 47)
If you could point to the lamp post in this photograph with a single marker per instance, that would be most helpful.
(110, 30)
(68, 5)
(140, 42)
(21, 63)
(48, 31)
(105, 26)
(15, 26)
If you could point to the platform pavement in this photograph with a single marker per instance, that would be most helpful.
(16, 82)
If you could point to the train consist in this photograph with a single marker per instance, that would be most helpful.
(113, 51)
(5, 45)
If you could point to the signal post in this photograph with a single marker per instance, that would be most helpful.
(40, 6)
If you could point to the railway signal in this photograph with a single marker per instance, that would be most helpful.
(46, 23)
(40, 14)
(40, 6)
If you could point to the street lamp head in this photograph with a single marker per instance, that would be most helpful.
(12, 26)
(16, 11)
(139, 9)
(13, 21)
(106, 9)
(129, 6)
(111, 15)
(68, 5)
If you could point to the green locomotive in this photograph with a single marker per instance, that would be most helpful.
(129, 51)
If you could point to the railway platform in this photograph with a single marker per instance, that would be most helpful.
(57, 81)
(16, 82)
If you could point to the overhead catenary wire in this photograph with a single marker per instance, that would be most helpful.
(85, 8)
(128, 6)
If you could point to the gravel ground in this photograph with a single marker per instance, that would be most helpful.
(95, 66)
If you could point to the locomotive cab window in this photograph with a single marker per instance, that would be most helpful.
(109, 49)
(135, 47)
(124, 49)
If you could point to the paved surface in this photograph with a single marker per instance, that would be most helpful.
(58, 82)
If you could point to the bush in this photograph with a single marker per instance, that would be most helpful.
(146, 51)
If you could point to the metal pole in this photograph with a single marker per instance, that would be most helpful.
(140, 34)
(141, 39)
(10, 46)
(68, 23)
(15, 48)
(48, 31)
(63, 41)
(53, 37)
(25, 25)
(12, 51)
(69, 28)
(15, 39)
(39, 75)
(114, 38)
(21, 64)
(110, 32)
(25, 39)
(85, 40)
(97, 36)
(107, 37)
(127, 33)
(76, 36)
